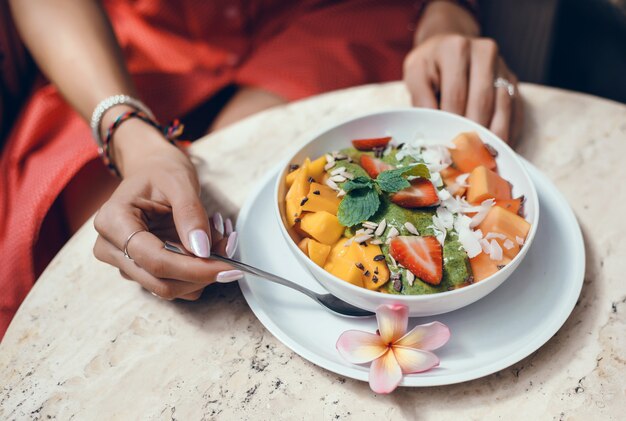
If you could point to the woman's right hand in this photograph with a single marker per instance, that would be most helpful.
(160, 198)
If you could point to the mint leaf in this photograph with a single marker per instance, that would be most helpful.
(395, 180)
(358, 183)
(357, 206)
(391, 182)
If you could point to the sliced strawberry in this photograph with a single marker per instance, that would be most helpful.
(423, 256)
(374, 166)
(421, 194)
(369, 144)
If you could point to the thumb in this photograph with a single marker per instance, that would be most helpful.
(190, 219)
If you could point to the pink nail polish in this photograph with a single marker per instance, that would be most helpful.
(229, 276)
(228, 225)
(218, 222)
(231, 244)
(199, 243)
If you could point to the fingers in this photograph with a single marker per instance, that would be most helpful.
(454, 59)
(190, 218)
(481, 96)
(420, 78)
(217, 225)
(503, 113)
(165, 288)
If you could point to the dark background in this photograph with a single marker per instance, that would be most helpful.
(572, 44)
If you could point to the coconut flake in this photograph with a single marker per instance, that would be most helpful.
(496, 251)
(461, 180)
(341, 193)
(436, 179)
(482, 212)
(478, 234)
(497, 235)
(338, 178)
(446, 217)
(466, 237)
(485, 245)
(444, 194)
(519, 240)
(376, 242)
(508, 244)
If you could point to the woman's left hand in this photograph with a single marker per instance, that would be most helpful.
(457, 73)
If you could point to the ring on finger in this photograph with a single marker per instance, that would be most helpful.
(132, 234)
(501, 82)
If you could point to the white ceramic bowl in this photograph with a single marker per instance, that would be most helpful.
(406, 124)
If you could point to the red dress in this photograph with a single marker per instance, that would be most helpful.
(180, 54)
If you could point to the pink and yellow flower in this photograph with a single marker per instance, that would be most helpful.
(392, 351)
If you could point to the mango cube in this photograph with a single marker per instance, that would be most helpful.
(345, 269)
(321, 198)
(318, 252)
(322, 226)
(296, 194)
(315, 170)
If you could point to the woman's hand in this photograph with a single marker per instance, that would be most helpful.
(456, 73)
(160, 198)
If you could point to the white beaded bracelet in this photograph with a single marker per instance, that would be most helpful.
(108, 103)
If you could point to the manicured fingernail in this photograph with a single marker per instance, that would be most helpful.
(231, 244)
(228, 225)
(199, 243)
(229, 276)
(218, 222)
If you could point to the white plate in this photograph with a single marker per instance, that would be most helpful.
(487, 336)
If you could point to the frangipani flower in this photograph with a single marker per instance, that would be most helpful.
(392, 351)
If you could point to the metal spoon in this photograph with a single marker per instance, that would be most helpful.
(328, 301)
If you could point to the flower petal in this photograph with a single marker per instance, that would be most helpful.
(392, 322)
(413, 360)
(360, 347)
(429, 336)
(385, 373)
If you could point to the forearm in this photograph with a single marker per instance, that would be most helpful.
(445, 17)
(74, 45)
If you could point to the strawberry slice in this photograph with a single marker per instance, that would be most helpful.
(422, 193)
(423, 256)
(369, 144)
(374, 166)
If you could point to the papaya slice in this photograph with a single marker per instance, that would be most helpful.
(470, 152)
(449, 176)
(512, 205)
(483, 266)
(486, 184)
(500, 220)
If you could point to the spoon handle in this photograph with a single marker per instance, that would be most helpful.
(248, 269)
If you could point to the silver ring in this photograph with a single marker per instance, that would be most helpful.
(501, 82)
(126, 255)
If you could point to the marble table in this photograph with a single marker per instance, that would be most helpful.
(87, 344)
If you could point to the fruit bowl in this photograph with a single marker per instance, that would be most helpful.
(406, 125)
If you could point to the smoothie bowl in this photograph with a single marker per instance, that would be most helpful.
(412, 206)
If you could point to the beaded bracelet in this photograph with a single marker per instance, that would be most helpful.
(171, 132)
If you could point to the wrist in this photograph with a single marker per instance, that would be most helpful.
(445, 17)
(133, 142)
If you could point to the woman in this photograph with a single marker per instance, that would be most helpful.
(214, 63)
